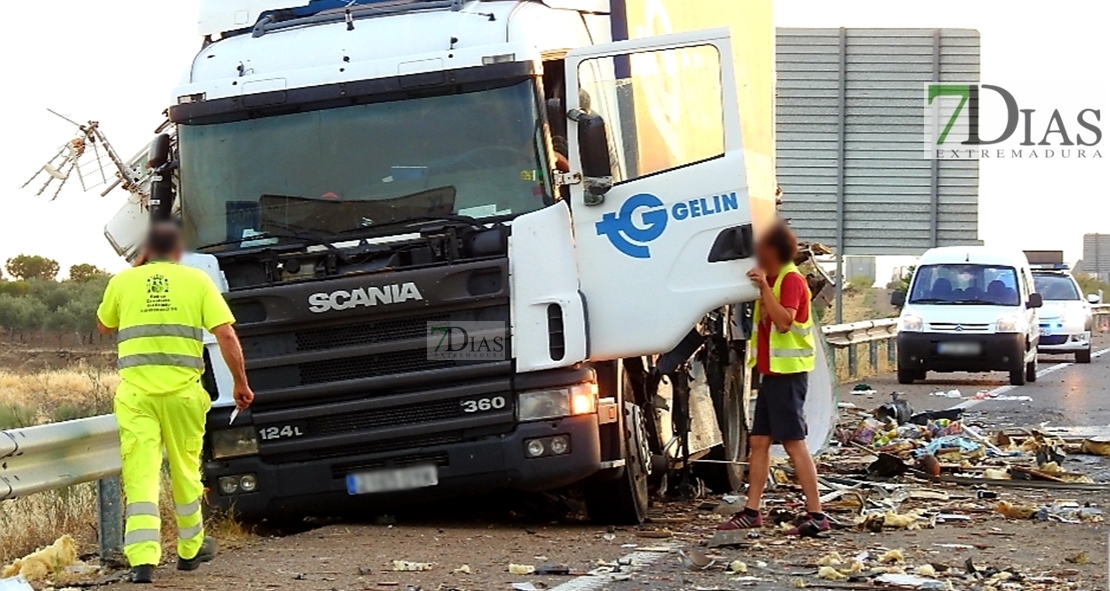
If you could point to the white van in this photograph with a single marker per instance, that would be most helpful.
(969, 308)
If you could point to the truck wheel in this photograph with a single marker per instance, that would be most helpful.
(724, 478)
(1083, 356)
(1017, 377)
(1031, 370)
(906, 376)
(624, 500)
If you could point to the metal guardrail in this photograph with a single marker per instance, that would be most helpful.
(58, 455)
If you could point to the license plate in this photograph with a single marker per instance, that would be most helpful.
(959, 349)
(398, 479)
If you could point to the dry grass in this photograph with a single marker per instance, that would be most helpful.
(28, 399)
(32, 522)
(35, 398)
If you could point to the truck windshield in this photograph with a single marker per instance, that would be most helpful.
(479, 154)
(1055, 287)
(965, 284)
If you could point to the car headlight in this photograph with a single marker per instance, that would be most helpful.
(233, 443)
(555, 403)
(1007, 324)
(910, 323)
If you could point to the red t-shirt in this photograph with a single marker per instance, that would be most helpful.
(793, 294)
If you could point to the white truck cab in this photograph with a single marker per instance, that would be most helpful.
(970, 309)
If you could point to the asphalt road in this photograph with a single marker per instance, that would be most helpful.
(1065, 393)
(488, 535)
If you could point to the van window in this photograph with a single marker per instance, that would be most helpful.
(1056, 287)
(965, 284)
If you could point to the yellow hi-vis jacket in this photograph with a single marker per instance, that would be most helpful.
(791, 351)
(161, 311)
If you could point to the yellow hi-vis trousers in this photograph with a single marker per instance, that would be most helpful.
(147, 423)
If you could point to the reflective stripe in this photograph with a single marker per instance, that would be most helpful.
(173, 359)
(140, 508)
(160, 330)
(800, 331)
(139, 536)
(791, 352)
(188, 510)
(189, 533)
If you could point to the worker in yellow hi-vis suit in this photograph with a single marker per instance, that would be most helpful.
(159, 311)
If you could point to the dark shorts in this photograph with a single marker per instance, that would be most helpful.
(780, 407)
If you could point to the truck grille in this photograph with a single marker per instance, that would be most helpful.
(368, 366)
(388, 445)
(366, 333)
(438, 410)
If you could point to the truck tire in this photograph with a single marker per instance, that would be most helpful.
(1017, 377)
(724, 478)
(624, 500)
(906, 376)
(1031, 370)
(1083, 356)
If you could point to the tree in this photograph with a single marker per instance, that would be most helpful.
(27, 267)
(84, 273)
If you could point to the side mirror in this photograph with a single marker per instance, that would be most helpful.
(1094, 299)
(898, 298)
(1035, 301)
(593, 148)
(159, 153)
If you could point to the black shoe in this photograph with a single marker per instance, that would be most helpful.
(142, 574)
(207, 552)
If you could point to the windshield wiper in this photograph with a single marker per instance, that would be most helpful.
(931, 301)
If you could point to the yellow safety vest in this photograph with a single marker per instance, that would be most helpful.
(161, 311)
(791, 351)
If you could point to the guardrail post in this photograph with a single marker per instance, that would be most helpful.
(874, 354)
(892, 351)
(853, 360)
(108, 499)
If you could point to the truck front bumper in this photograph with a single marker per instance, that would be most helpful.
(921, 351)
(319, 487)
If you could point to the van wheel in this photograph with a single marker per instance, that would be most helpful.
(624, 500)
(1017, 378)
(1031, 371)
(906, 376)
(1083, 356)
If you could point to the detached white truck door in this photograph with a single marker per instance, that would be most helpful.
(671, 239)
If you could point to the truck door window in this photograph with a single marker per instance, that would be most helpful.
(663, 108)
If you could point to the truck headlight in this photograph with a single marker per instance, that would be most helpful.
(556, 403)
(1007, 324)
(910, 323)
(233, 443)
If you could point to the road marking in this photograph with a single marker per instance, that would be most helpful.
(1003, 389)
(635, 561)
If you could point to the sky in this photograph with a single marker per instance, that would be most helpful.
(117, 61)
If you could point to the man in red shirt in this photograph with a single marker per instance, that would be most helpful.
(779, 410)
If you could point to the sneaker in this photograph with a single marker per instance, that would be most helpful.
(746, 519)
(813, 524)
(207, 552)
(142, 574)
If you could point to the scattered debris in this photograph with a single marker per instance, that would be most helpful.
(521, 569)
(462, 570)
(42, 563)
(892, 557)
(407, 566)
(738, 567)
(829, 573)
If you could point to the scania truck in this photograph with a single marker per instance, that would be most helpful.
(469, 244)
